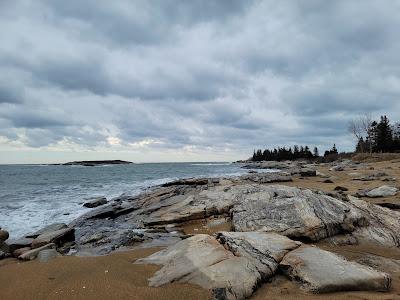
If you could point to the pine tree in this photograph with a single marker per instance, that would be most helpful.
(316, 153)
(361, 145)
(384, 139)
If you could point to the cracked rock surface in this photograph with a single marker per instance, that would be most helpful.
(202, 260)
(232, 265)
(265, 250)
(321, 271)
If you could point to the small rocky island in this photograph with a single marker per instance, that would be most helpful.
(93, 163)
(239, 237)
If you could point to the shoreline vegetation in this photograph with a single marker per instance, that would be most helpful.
(226, 238)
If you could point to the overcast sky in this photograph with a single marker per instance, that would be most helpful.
(195, 80)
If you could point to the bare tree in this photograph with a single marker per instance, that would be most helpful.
(355, 129)
(366, 121)
(360, 127)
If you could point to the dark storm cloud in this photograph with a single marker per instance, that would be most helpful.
(206, 74)
(145, 22)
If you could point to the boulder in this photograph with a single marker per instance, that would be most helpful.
(296, 213)
(47, 229)
(355, 174)
(234, 278)
(32, 254)
(47, 254)
(21, 251)
(57, 237)
(389, 179)
(4, 247)
(383, 227)
(95, 202)
(264, 250)
(337, 168)
(189, 181)
(3, 235)
(92, 238)
(322, 175)
(327, 181)
(15, 244)
(308, 173)
(382, 191)
(186, 257)
(320, 271)
(341, 189)
(202, 260)
(380, 263)
(389, 205)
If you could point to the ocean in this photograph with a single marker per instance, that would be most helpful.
(32, 196)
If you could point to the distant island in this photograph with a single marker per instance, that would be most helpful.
(93, 163)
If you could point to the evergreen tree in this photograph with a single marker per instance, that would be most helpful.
(361, 145)
(316, 153)
(384, 139)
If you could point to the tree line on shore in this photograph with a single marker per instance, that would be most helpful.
(297, 152)
(372, 137)
(375, 136)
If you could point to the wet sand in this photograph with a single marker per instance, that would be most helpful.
(105, 277)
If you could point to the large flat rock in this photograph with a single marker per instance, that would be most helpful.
(295, 213)
(47, 229)
(321, 271)
(15, 244)
(202, 260)
(383, 225)
(382, 191)
(58, 237)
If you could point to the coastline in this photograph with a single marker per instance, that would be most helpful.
(56, 193)
(67, 273)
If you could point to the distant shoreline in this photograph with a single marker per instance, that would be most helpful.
(93, 163)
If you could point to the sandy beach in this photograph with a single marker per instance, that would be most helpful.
(105, 277)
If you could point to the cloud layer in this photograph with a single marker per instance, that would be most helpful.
(186, 80)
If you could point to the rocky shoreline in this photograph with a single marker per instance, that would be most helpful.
(271, 227)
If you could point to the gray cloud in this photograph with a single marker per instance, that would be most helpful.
(214, 75)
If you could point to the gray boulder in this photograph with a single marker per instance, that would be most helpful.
(32, 254)
(321, 271)
(380, 263)
(337, 168)
(264, 250)
(382, 191)
(295, 213)
(383, 225)
(95, 202)
(15, 244)
(308, 173)
(3, 235)
(49, 228)
(21, 251)
(57, 237)
(47, 254)
(202, 260)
